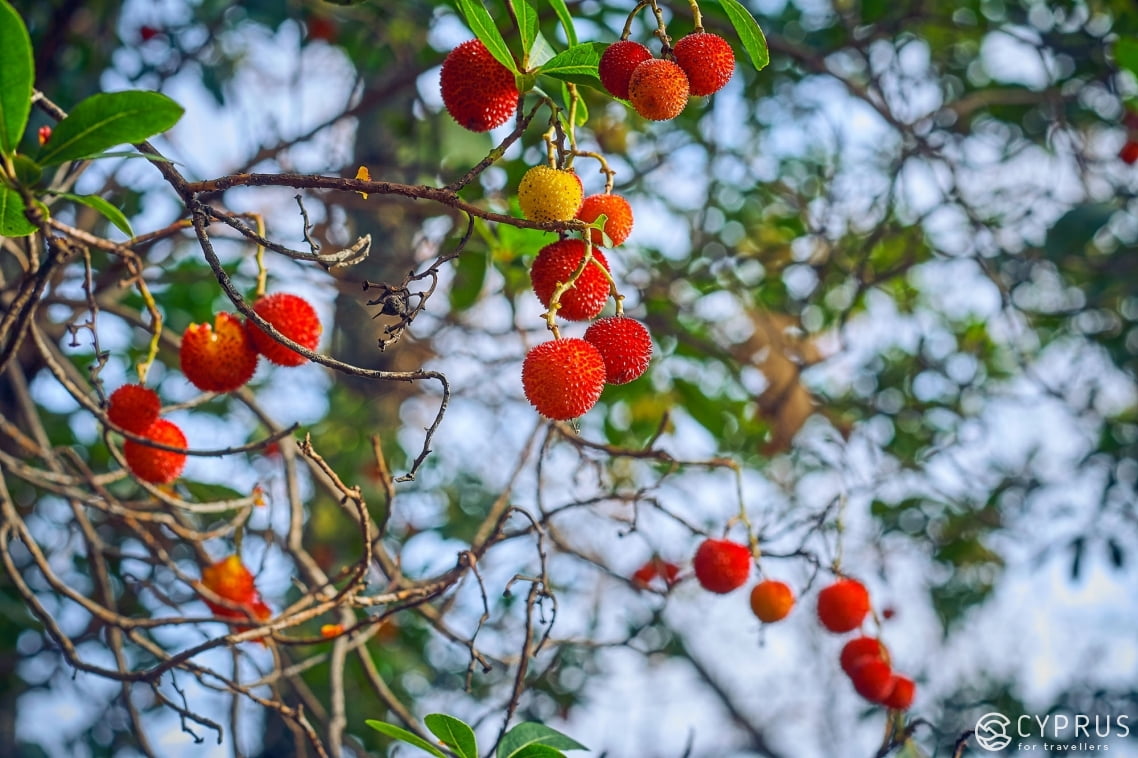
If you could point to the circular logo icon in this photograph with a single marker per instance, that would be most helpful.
(992, 731)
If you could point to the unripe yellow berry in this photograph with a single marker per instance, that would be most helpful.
(548, 194)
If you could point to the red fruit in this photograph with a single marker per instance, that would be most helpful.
(293, 317)
(625, 346)
(43, 134)
(658, 89)
(901, 693)
(555, 264)
(860, 650)
(151, 464)
(618, 61)
(133, 407)
(708, 61)
(147, 33)
(655, 568)
(843, 605)
(218, 359)
(771, 600)
(478, 91)
(1129, 152)
(563, 378)
(721, 565)
(321, 27)
(618, 217)
(873, 680)
(229, 579)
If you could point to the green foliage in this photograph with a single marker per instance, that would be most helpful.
(13, 223)
(750, 34)
(482, 24)
(102, 121)
(528, 739)
(16, 77)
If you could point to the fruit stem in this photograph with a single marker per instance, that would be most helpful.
(627, 31)
(752, 538)
(610, 175)
(661, 29)
(262, 272)
(143, 367)
(573, 98)
(697, 17)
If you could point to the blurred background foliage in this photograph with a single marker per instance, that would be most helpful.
(893, 274)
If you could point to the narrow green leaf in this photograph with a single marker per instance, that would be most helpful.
(102, 121)
(750, 34)
(469, 276)
(527, 27)
(402, 734)
(109, 212)
(578, 64)
(566, 19)
(539, 751)
(482, 24)
(13, 223)
(17, 74)
(454, 733)
(532, 733)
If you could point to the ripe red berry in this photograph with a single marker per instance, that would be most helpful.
(625, 346)
(873, 680)
(771, 600)
(843, 605)
(618, 61)
(133, 407)
(549, 194)
(708, 61)
(478, 91)
(658, 89)
(721, 565)
(618, 217)
(293, 317)
(901, 693)
(555, 264)
(563, 378)
(231, 580)
(218, 359)
(655, 568)
(862, 649)
(43, 134)
(1129, 152)
(151, 464)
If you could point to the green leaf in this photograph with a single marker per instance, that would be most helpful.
(17, 74)
(750, 34)
(28, 172)
(532, 733)
(539, 751)
(13, 223)
(102, 121)
(109, 212)
(469, 276)
(527, 27)
(578, 64)
(566, 20)
(454, 733)
(482, 24)
(1126, 53)
(540, 51)
(400, 733)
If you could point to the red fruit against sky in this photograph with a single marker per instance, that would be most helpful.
(555, 263)
(563, 378)
(133, 407)
(292, 316)
(708, 61)
(151, 464)
(618, 61)
(625, 346)
(220, 358)
(843, 605)
(478, 91)
(721, 565)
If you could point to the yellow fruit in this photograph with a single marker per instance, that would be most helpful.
(548, 194)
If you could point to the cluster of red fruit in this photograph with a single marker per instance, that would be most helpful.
(659, 88)
(217, 358)
(564, 378)
(722, 566)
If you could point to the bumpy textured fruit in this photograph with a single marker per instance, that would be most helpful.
(873, 680)
(843, 605)
(618, 61)
(218, 359)
(231, 580)
(721, 565)
(478, 91)
(618, 217)
(151, 464)
(133, 407)
(658, 89)
(293, 317)
(549, 194)
(901, 693)
(771, 600)
(563, 378)
(624, 344)
(862, 649)
(708, 61)
(555, 264)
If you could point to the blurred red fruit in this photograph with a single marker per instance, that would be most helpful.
(721, 565)
(133, 407)
(151, 464)
(843, 605)
(873, 680)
